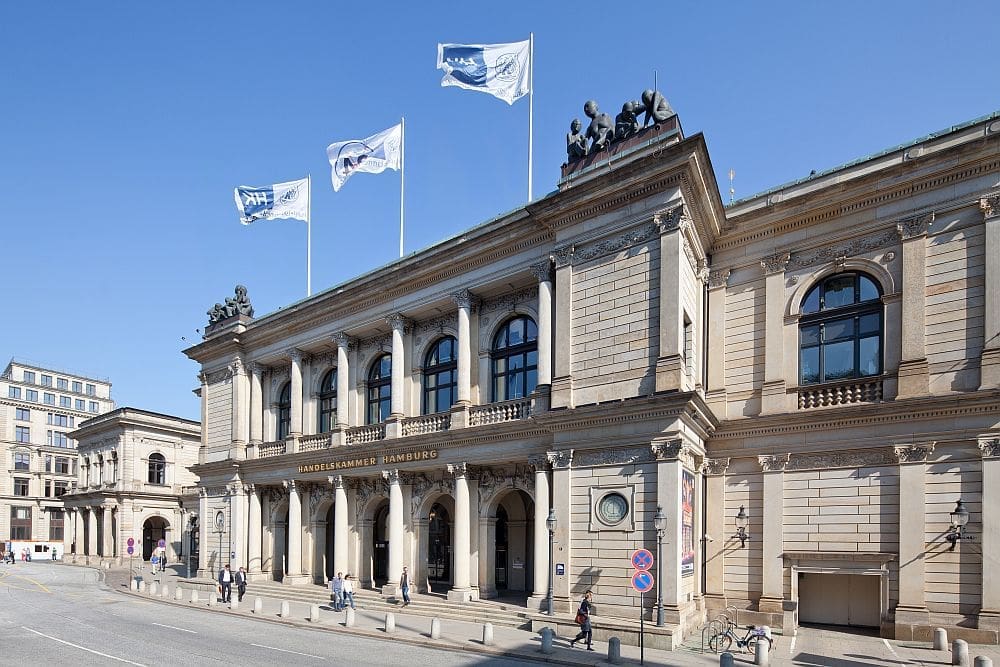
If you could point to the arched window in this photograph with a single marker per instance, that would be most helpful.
(840, 332)
(328, 402)
(380, 390)
(284, 407)
(157, 469)
(441, 376)
(514, 359)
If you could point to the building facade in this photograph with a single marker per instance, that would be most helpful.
(133, 477)
(39, 408)
(783, 399)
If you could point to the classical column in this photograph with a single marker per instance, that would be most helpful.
(294, 528)
(395, 521)
(107, 536)
(772, 545)
(715, 394)
(989, 613)
(238, 522)
(464, 300)
(562, 373)
(295, 425)
(340, 527)
(343, 387)
(562, 497)
(672, 456)
(541, 532)
(240, 407)
(715, 527)
(92, 536)
(462, 588)
(205, 569)
(912, 608)
(989, 365)
(773, 391)
(203, 399)
(912, 375)
(253, 530)
(399, 326)
(256, 410)
(670, 362)
(543, 272)
(69, 532)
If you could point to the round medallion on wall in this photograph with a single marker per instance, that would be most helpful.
(612, 509)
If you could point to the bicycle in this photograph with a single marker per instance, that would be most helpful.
(723, 641)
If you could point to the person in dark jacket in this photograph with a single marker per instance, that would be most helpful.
(241, 584)
(226, 583)
(584, 613)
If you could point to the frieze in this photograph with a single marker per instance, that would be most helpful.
(221, 375)
(318, 494)
(435, 326)
(508, 302)
(607, 457)
(913, 453)
(990, 448)
(775, 263)
(562, 458)
(990, 205)
(585, 253)
(855, 459)
(366, 489)
(376, 343)
(274, 494)
(915, 226)
(420, 486)
(216, 491)
(715, 466)
(831, 253)
(491, 480)
(562, 256)
(773, 462)
(669, 450)
(717, 279)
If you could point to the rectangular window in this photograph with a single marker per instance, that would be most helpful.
(74, 466)
(46, 380)
(62, 465)
(22, 434)
(81, 404)
(49, 399)
(59, 439)
(22, 414)
(56, 523)
(59, 420)
(60, 488)
(20, 486)
(31, 395)
(78, 387)
(48, 488)
(13, 392)
(22, 461)
(20, 523)
(65, 402)
(62, 383)
(48, 464)
(29, 377)
(48, 437)
(94, 406)
(91, 390)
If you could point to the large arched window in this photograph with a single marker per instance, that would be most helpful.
(328, 402)
(514, 359)
(441, 376)
(379, 390)
(840, 332)
(157, 469)
(284, 407)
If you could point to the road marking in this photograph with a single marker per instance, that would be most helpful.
(83, 648)
(273, 648)
(29, 579)
(892, 650)
(175, 628)
(791, 647)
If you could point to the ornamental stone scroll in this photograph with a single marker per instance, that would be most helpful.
(990, 205)
(913, 453)
(715, 466)
(914, 226)
(773, 462)
(562, 458)
(990, 448)
(775, 263)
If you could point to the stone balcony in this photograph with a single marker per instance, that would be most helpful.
(868, 390)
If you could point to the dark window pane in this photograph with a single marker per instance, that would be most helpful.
(811, 303)
(869, 356)
(516, 362)
(868, 289)
(532, 358)
(809, 365)
(532, 381)
(838, 360)
(838, 329)
(809, 335)
(870, 324)
(838, 291)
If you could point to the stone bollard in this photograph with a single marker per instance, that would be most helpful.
(178, 593)
(314, 613)
(547, 635)
(133, 585)
(390, 622)
(152, 588)
(940, 639)
(194, 596)
(165, 591)
(435, 628)
(726, 659)
(487, 634)
(349, 618)
(960, 653)
(142, 586)
(614, 651)
(234, 603)
(762, 652)
(284, 611)
(983, 661)
(213, 599)
(258, 604)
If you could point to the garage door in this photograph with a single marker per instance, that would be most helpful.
(839, 599)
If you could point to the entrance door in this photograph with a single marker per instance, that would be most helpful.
(380, 547)
(439, 545)
(501, 549)
(839, 599)
(153, 530)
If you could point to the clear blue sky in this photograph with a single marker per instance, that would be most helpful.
(124, 127)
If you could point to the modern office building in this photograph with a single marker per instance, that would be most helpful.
(783, 399)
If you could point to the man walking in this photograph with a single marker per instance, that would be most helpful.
(337, 589)
(404, 585)
(226, 584)
(241, 584)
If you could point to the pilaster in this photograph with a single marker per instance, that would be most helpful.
(670, 360)
(989, 613)
(913, 376)
(562, 490)
(772, 566)
(773, 400)
(715, 533)
(672, 456)
(715, 394)
(561, 395)
(912, 608)
(989, 377)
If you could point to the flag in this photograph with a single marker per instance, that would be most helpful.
(281, 200)
(372, 155)
(498, 69)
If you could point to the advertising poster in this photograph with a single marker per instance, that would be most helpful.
(687, 523)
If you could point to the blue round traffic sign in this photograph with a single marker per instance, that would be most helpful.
(642, 559)
(642, 581)
(131, 550)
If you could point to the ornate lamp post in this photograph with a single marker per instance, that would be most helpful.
(959, 518)
(742, 522)
(660, 523)
(550, 523)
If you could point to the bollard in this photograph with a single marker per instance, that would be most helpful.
(435, 628)
(349, 618)
(213, 599)
(234, 603)
(390, 622)
(614, 650)
(142, 586)
(133, 585)
(314, 613)
(152, 588)
(983, 661)
(178, 593)
(960, 653)
(258, 604)
(487, 634)
(940, 639)
(547, 635)
(194, 596)
(726, 659)
(284, 612)
(165, 592)
(762, 652)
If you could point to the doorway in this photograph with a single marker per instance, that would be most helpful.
(439, 546)
(839, 599)
(380, 547)
(154, 529)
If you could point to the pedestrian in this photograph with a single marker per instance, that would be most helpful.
(348, 590)
(404, 585)
(337, 590)
(583, 620)
(54, 554)
(162, 559)
(226, 584)
(241, 584)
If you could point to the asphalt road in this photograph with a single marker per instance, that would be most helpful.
(53, 615)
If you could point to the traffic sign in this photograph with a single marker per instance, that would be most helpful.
(162, 543)
(130, 542)
(642, 559)
(131, 550)
(642, 581)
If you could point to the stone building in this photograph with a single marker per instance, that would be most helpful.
(133, 477)
(39, 407)
(804, 383)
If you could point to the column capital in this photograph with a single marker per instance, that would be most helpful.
(913, 453)
(773, 462)
(718, 278)
(296, 354)
(914, 226)
(540, 462)
(715, 466)
(343, 340)
(563, 255)
(458, 470)
(669, 220)
(672, 449)
(990, 205)
(775, 263)
(542, 271)
(236, 366)
(562, 458)
(989, 448)
(291, 485)
(250, 489)
(203, 378)
(398, 323)
(391, 476)
(463, 298)
(257, 369)
(337, 481)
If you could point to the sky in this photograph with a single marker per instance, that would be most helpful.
(125, 126)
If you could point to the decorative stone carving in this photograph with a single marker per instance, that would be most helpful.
(775, 263)
(851, 459)
(667, 450)
(420, 486)
(398, 323)
(990, 205)
(578, 254)
(607, 457)
(458, 469)
(463, 298)
(831, 253)
(343, 340)
(689, 253)
(274, 494)
(888, 257)
(912, 227)
(318, 494)
(236, 366)
(668, 220)
(219, 375)
(715, 466)
(391, 476)
(366, 489)
(990, 448)
(562, 458)
(295, 354)
(291, 485)
(508, 302)
(337, 481)
(239, 304)
(913, 453)
(542, 271)
(773, 462)
(539, 462)
(436, 325)
(376, 343)
(563, 255)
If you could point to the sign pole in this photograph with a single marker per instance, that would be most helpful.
(642, 628)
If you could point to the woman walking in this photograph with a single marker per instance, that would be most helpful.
(348, 586)
(583, 619)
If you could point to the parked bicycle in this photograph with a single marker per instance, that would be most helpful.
(724, 640)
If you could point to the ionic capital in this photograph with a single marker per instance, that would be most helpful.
(343, 340)
(669, 220)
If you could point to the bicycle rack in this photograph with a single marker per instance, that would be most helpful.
(716, 626)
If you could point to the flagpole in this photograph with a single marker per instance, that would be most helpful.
(402, 164)
(531, 105)
(309, 239)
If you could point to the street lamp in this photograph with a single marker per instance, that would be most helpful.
(660, 523)
(742, 521)
(550, 523)
(959, 518)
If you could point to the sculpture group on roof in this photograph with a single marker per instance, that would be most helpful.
(239, 304)
(602, 132)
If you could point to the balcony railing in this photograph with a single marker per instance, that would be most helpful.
(271, 449)
(426, 424)
(360, 435)
(842, 393)
(310, 443)
(496, 413)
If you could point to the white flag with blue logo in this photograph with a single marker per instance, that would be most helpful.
(498, 69)
(372, 155)
(281, 200)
